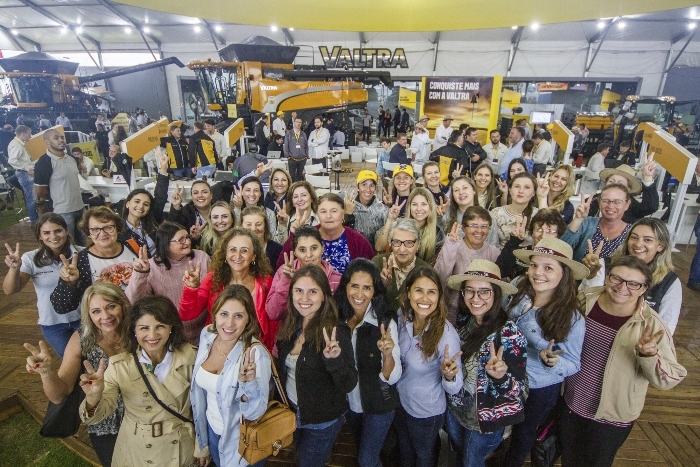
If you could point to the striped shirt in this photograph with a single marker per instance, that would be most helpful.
(583, 389)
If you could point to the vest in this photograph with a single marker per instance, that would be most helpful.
(655, 294)
(377, 396)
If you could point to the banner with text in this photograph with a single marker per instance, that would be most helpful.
(466, 100)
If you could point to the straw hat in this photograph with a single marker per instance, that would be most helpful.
(481, 270)
(624, 171)
(423, 117)
(447, 117)
(555, 249)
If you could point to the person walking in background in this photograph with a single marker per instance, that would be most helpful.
(366, 125)
(296, 149)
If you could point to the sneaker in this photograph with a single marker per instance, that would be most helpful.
(695, 287)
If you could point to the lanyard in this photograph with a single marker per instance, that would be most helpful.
(297, 136)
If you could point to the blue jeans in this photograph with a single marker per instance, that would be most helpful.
(369, 431)
(539, 403)
(314, 446)
(207, 170)
(417, 438)
(694, 277)
(72, 219)
(214, 439)
(183, 173)
(472, 447)
(27, 183)
(58, 335)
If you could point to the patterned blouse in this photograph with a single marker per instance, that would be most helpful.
(110, 425)
(611, 245)
(337, 253)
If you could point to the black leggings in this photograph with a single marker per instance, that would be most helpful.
(587, 443)
(104, 447)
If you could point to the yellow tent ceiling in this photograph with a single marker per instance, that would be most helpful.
(405, 15)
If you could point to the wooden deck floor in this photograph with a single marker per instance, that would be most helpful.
(667, 433)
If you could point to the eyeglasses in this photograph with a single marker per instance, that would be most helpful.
(406, 243)
(479, 227)
(616, 202)
(183, 240)
(108, 229)
(483, 294)
(632, 285)
(547, 231)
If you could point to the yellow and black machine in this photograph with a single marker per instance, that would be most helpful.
(35, 83)
(259, 76)
(624, 117)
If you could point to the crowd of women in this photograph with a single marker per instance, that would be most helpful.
(399, 311)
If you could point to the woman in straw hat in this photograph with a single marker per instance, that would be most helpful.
(627, 346)
(625, 175)
(493, 358)
(546, 310)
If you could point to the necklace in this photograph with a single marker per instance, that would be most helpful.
(221, 351)
(116, 345)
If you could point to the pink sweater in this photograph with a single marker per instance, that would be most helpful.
(161, 281)
(276, 304)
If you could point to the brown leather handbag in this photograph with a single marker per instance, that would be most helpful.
(267, 435)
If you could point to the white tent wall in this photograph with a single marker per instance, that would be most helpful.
(533, 59)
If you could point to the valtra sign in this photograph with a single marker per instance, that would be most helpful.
(341, 57)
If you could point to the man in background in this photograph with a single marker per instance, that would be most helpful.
(278, 126)
(296, 149)
(515, 150)
(19, 159)
(366, 125)
(541, 154)
(117, 163)
(398, 155)
(495, 150)
(202, 152)
(219, 141)
(64, 121)
(443, 132)
(176, 148)
(261, 140)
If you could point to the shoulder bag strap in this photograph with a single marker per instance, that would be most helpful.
(276, 377)
(150, 389)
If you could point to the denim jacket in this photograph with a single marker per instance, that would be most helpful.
(539, 374)
(228, 396)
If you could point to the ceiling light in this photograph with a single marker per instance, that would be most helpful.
(217, 28)
(273, 28)
(78, 19)
(127, 30)
(601, 24)
(145, 20)
(63, 30)
(514, 27)
(621, 25)
(79, 30)
(146, 30)
(291, 29)
(535, 26)
(14, 32)
(197, 29)
(691, 26)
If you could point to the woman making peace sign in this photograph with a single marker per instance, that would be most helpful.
(493, 355)
(316, 367)
(361, 299)
(431, 366)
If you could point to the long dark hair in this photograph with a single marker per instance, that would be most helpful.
(382, 311)
(435, 323)
(325, 318)
(556, 316)
(148, 222)
(247, 180)
(493, 320)
(163, 310)
(164, 234)
(45, 255)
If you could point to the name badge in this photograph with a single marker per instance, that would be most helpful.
(298, 146)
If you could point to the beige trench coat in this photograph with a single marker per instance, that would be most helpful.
(138, 442)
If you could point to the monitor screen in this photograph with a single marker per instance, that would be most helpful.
(541, 117)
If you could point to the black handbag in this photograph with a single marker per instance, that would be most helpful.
(547, 447)
(63, 420)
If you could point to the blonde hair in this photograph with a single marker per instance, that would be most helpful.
(210, 237)
(426, 251)
(560, 200)
(110, 293)
(662, 263)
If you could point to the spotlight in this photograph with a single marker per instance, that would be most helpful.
(127, 30)
(691, 26)
(535, 26)
(273, 28)
(197, 29)
(79, 30)
(146, 30)
(291, 29)
(621, 25)
(514, 27)
(14, 32)
(601, 24)
(217, 28)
